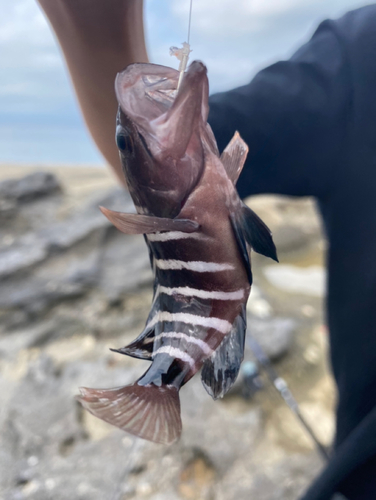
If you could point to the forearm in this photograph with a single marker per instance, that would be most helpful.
(99, 38)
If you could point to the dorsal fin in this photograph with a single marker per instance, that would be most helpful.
(220, 371)
(234, 156)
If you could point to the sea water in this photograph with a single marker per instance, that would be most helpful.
(47, 144)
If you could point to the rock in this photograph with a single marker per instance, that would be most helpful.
(197, 478)
(30, 187)
(47, 442)
(63, 261)
(71, 287)
(198, 409)
(27, 252)
(70, 232)
(116, 199)
(34, 247)
(125, 265)
(36, 293)
(25, 338)
(290, 237)
(309, 281)
(81, 225)
(279, 480)
(27, 297)
(275, 335)
(257, 304)
(8, 208)
(38, 413)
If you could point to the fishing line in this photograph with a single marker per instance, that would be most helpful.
(183, 53)
(189, 22)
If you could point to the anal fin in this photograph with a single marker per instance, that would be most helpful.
(220, 371)
(146, 224)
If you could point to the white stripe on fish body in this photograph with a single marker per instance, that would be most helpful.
(202, 294)
(182, 336)
(174, 352)
(174, 235)
(221, 325)
(194, 265)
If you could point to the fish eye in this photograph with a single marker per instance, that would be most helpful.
(124, 140)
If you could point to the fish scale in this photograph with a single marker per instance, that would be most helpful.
(198, 233)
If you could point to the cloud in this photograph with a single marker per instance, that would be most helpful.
(234, 39)
(33, 78)
(225, 16)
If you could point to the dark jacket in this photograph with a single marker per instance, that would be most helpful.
(310, 123)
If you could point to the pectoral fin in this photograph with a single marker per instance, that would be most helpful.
(146, 224)
(221, 369)
(234, 156)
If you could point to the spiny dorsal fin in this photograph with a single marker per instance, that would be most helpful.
(221, 369)
(234, 156)
(146, 224)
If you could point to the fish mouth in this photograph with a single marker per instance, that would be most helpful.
(165, 117)
(160, 90)
(164, 90)
(146, 91)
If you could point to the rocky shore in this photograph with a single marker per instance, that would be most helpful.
(72, 286)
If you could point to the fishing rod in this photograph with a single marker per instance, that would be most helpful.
(281, 386)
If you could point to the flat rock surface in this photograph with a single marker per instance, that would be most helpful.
(72, 286)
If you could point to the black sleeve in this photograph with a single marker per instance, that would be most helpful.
(293, 115)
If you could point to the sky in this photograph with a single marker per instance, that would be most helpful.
(39, 117)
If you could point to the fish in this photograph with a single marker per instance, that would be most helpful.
(198, 233)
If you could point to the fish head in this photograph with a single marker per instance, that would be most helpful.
(158, 134)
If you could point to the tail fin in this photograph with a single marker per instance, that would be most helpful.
(149, 412)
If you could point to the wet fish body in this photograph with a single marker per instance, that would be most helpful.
(198, 232)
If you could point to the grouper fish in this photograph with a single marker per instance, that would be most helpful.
(198, 234)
